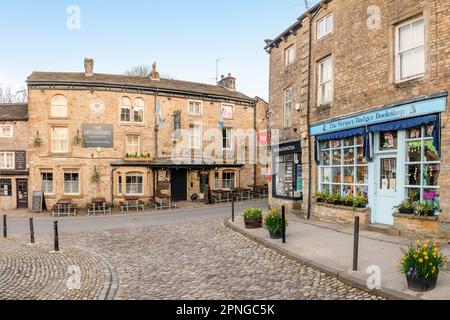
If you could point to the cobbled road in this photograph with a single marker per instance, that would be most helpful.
(206, 260)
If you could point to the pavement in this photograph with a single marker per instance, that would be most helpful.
(329, 247)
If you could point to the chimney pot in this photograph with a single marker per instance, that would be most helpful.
(88, 67)
(228, 82)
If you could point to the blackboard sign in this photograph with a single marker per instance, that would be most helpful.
(38, 203)
(98, 136)
(21, 160)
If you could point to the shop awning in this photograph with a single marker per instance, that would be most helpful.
(367, 133)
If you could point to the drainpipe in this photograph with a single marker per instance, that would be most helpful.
(308, 110)
(112, 185)
(255, 167)
(156, 126)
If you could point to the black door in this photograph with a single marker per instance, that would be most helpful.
(179, 184)
(22, 194)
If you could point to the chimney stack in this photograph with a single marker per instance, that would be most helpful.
(154, 75)
(88, 67)
(228, 82)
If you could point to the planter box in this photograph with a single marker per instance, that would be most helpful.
(139, 159)
(340, 214)
(413, 226)
(253, 223)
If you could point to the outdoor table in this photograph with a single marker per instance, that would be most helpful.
(132, 202)
(244, 193)
(99, 205)
(64, 207)
(161, 199)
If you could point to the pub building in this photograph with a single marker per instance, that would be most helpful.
(13, 156)
(112, 136)
(386, 156)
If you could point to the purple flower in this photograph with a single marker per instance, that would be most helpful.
(430, 195)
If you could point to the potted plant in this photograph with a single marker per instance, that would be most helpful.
(426, 208)
(37, 141)
(252, 218)
(273, 222)
(322, 197)
(347, 201)
(406, 207)
(421, 265)
(334, 199)
(360, 202)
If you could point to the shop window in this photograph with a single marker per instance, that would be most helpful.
(47, 182)
(343, 169)
(229, 180)
(325, 79)
(388, 141)
(195, 108)
(410, 50)
(5, 187)
(132, 145)
(7, 160)
(135, 184)
(71, 183)
(60, 140)
(289, 176)
(422, 165)
(287, 108)
(59, 107)
(6, 131)
(324, 26)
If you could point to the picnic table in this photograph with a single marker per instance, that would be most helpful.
(261, 191)
(244, 193)
(132, 203)
(99, 205)
(64, 207)
(164, 201)
(222, 195)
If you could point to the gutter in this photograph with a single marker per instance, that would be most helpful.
(308, 117)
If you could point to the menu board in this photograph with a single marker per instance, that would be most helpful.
(38, 202)
(21, 160)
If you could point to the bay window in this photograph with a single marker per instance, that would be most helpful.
(134, 184)
(422, 165)
(343, 169)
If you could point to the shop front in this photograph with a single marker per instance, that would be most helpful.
(386, 156)
(287, 174)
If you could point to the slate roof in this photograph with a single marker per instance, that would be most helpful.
(13, 111)
(162, 85)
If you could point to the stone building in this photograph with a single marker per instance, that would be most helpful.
(115, 136)
(14, 143)
(367, 84)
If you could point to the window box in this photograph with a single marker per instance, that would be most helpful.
(416, 226)
(142, 158)
(340, 214)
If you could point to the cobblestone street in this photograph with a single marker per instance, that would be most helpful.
(201, 260)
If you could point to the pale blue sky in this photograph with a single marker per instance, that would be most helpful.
(184, 37)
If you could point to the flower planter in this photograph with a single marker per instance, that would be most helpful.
(139, 159)
(421, 285)
(275, 234)
(253, 223)
(406, 211)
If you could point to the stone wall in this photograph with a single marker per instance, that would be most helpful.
(340, 214)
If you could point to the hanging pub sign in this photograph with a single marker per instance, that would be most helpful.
(98, 136)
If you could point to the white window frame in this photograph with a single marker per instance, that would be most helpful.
(55, 141)
(200, 108)
(139, 108)
(5, 156)
(327, 19)
(132, 144)
(11, 131)
(228, 144)
(323, 83)
(341, 166)
(289, 55)
(287, 104)
(53, 113)
(72, 183)
(233, 181)
(223, 107)
(195, 144)
(130, 185)
(412, 50)
(45, 184)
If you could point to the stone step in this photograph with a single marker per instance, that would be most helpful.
(382, 228)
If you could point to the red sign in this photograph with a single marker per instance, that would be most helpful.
(263, 138)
